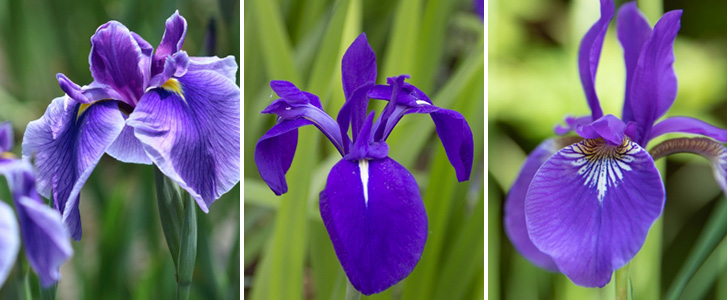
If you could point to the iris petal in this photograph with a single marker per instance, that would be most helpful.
(67, 146)
(174, 33)
(274, 153)
(589, 54)
(9, 240)
(116, 61)
(688, 125)
(127, 148)
(654, 86)
(226, 66)
(376, 220)
(194, 137)
(515, 203)
(358, 66)
(633, 31)
(6, 137)
(590, 206)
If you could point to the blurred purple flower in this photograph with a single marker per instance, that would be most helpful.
(47, 244)
(584, 206)
(179, 112)
(371, 205)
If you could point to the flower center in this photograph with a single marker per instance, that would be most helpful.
(602, 165)
(173, 86)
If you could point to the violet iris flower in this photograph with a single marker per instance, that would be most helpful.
(144, 106)
(371, 205)
(47, 244)
(583, 205)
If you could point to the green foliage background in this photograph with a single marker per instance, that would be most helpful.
(288, 254)
(122, 254)
(533, 83)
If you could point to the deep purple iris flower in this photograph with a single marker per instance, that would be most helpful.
(47, 244)
(583, 205)
(371, 205)
(144, 106)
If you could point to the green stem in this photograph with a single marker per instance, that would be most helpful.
(48, 293)
(623, 288)
(351, 292)
(187, 249)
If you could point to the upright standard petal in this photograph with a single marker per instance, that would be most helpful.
(46, 241)
(654, 86)
(9, 241)
(174, 33)
(633, 31)
(191, 131)
(515, 202)
(116, 60)
(590, 206)
(376, 220)
(67, 143)
(589, 54)
(358, 65)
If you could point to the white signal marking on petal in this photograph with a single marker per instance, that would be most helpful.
(363, 166)
(422, 102)
(601, 165)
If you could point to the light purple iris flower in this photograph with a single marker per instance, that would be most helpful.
(583, 205)
(144, 106)
(371, 205)
(47, 243)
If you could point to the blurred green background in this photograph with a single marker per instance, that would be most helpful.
(288, 254)
(123, 254)
(533, 83)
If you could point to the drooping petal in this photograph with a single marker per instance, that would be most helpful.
(688, 125)
(358, 66)
(116, 61)
(46, 241)
(452, 128)
(515, 203)
(274, 153)
(376, 220)
(607, 127)
(589, 54)
(715, 152)
(174, 33)
(192, 133)
(127, 148)
(67, 145)
(571, 123)
(6, 137)
(654, 85)
(297, 104)
(633, 31)
(9, 240)
(590, 206)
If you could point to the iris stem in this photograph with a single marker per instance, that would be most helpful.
(623, 283)
(351, 292)
(187, 249)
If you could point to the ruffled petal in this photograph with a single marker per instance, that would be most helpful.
(227, 66)
(67, 145)
(46, 241)
(633, 31)
(116, 60)
(376, 220)
(688, 125)
(571, 123)
(590, 206)
(192, 133)
(274, 153)
(174, 66)
(607, 127)
(515, 203)
(654, 86)
(9, 241)
(174, 33)
(589, 54)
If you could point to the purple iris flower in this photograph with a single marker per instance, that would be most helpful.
(583, 205)
(144, 106)
(371, 205)
(47, 244)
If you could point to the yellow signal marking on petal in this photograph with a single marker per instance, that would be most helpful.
(82, 108)
(7, 155)
(173, 86)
